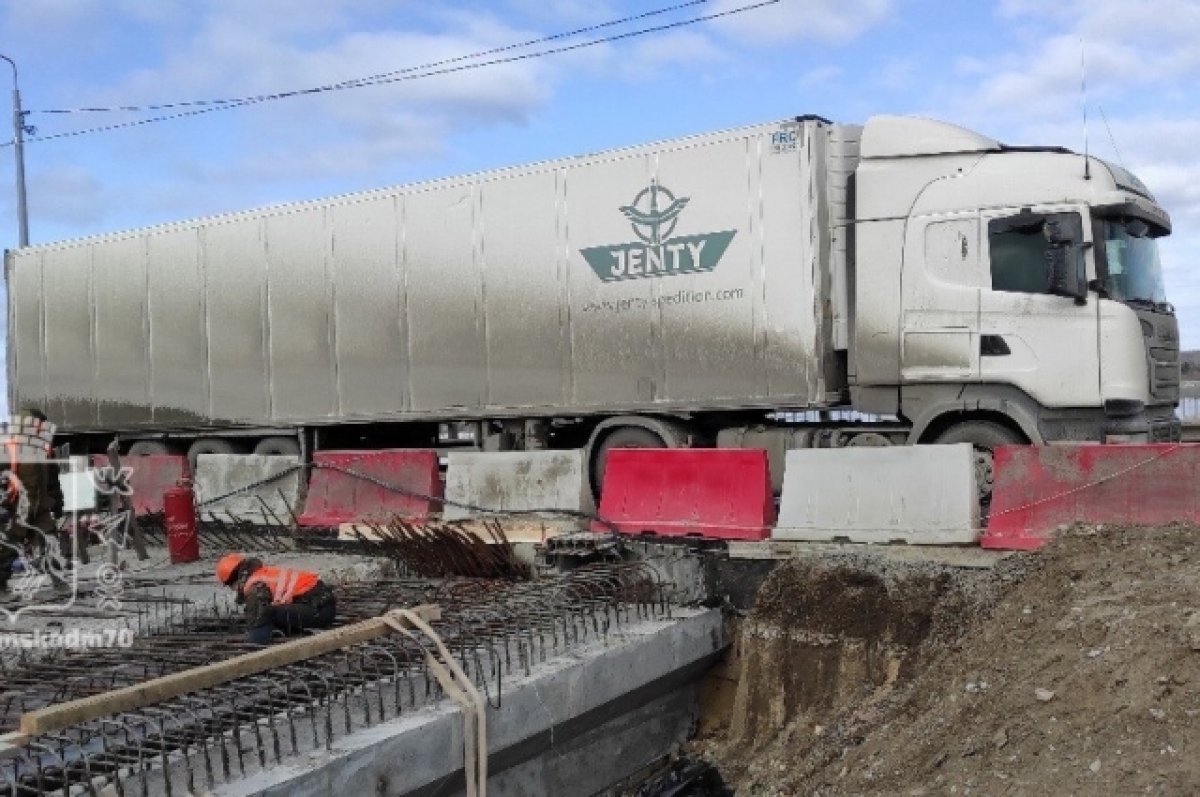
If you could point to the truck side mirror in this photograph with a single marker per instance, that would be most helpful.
(1066, 274)
(1054, 232)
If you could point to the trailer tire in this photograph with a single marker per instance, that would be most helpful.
(278, 447)
(143, 448)
(212, 445)
(985, 436)
(620, 437)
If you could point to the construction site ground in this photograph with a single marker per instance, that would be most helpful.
(145, 594)
(1074, 670)
(854, 670)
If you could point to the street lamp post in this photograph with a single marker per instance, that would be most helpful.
(19, 148)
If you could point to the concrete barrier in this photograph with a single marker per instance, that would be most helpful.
(243, 483)
(677, 492)
(911, 494)
(516, 480)
(150, 476)
(1037, 489)
(78, 485)
(337, 496)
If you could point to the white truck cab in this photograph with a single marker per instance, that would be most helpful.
(1028, 291)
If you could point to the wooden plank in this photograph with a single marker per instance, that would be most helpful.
(73, 712)
(12, 744)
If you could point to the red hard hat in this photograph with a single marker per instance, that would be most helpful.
(228, 566)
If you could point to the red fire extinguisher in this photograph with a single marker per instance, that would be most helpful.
(179, 515)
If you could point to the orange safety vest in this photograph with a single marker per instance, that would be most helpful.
(285, 583)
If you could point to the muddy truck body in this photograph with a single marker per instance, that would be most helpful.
(791, 284)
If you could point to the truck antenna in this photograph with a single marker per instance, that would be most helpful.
(1112, 139)
(1087, 166)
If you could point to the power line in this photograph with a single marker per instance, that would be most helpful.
(408, 74)
(355, 82)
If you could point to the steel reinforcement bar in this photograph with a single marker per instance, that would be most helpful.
(497, 630)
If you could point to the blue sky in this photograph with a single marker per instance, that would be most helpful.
(1010, 69)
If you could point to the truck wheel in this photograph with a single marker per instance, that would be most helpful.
(621, 437)
(985, 436)
(212, 445)
(278, 447)
(142, 448)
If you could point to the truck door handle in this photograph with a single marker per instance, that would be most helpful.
(993, 346)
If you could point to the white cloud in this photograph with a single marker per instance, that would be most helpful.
(1121, 46)
(42, 16)
(794, 20)
(680, 47)
(573, 12)
(231, 55)
(820, 75)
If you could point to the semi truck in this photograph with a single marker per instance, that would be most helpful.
(792, 284)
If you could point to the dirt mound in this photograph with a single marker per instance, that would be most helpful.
(1076, 670)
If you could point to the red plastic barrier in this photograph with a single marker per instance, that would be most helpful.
(707, 492)
(1039, 488)
(336, 497)
(150, 477)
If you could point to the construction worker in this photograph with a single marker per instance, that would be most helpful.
(277, 598)
(31, 500)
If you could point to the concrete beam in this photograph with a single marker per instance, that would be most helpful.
(577, 723)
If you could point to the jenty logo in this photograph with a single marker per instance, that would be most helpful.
(654, 213)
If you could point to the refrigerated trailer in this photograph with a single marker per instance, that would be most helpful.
(798, 283)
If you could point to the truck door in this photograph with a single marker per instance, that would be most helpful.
(942, 277)
(1047, 345)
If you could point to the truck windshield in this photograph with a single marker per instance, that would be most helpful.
(1133, 272)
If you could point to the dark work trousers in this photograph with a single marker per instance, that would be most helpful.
(293, 618)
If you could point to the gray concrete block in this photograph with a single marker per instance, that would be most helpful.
(910, 494)
(584, 708)
(219, 475)
(516, 480)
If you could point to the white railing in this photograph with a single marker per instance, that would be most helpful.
(1189, 409)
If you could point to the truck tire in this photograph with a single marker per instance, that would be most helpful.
(212, 445)
(278, 447)
(985, 436)
(142, 448)
(621, 437)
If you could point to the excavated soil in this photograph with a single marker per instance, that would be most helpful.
(1072, 671)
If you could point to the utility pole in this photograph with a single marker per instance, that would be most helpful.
(19, 149)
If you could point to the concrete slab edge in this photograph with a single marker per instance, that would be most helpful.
(567, 695)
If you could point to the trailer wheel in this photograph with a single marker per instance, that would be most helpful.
(985, 436)
(142, 448)
(278, 447)
(212, 445)
(621, 437)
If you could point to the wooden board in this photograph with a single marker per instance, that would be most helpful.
(73, 712)
(12, 744)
